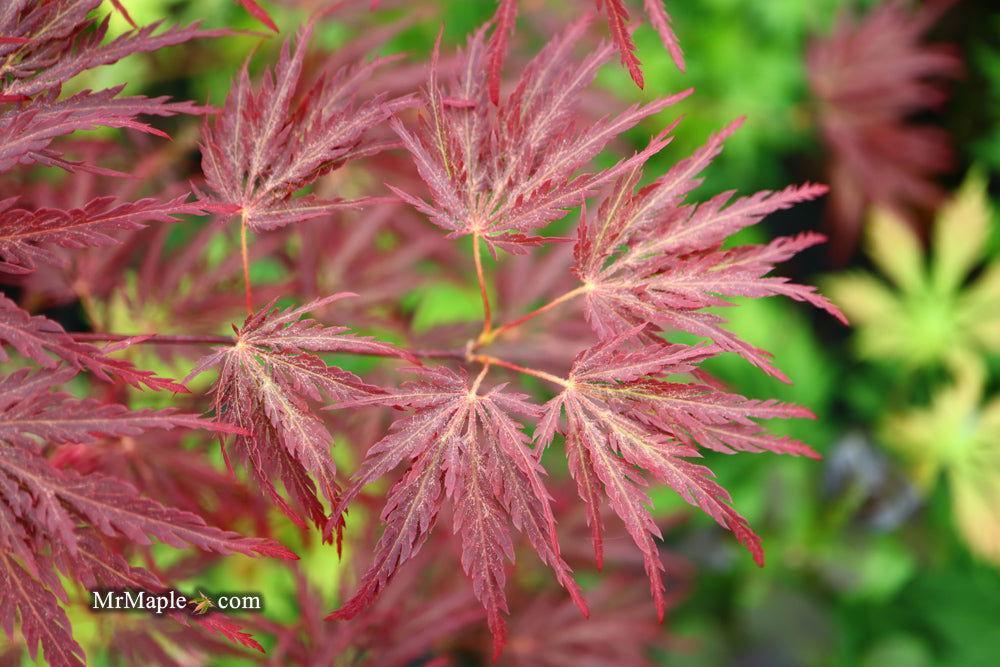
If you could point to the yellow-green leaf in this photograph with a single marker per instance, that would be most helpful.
(960, 232)
(895, 248)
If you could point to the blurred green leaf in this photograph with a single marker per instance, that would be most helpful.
(940, 309)
(440, 303)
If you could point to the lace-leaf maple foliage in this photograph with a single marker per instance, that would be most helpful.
(505, 20)
(875, 79)
(48, 513)
(48, 43)
(632, 408)
(618, 17)
(464, 446)
(265, 381)
(649, 262)
(499, 174)
(260, 151)
(53, 519)
(45, 342)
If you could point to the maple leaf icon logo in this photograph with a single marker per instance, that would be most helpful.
(202, 603)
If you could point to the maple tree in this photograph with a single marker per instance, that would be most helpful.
(502, 169)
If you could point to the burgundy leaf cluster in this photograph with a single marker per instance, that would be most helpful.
(87, 483)
(648, 262)
(260, 151)
(53, 519)
(618, 17)
(873, 77)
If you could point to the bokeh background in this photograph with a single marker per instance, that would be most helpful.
(887, 552)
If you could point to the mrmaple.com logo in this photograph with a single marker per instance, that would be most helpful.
(171, 600)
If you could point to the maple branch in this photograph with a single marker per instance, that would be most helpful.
(458, 353)
(157, 338)
(246, 265)
(487, 313)
(487, 359)
(490, 337)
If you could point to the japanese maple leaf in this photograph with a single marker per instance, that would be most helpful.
(27, 131)
(262, 150)
(62, 498)
(259, 13)
(624, 421)
(649, 257)
(29, 412)
(43, 621)
(54, 41)
(462, 445)
(872, 77)
(27, 237)
(96, 567)
(46, 44)
(45, 342)
(265, 382)
(618, 17)
(500, 173)
(161, 464)
(45, 510)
